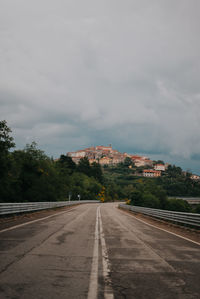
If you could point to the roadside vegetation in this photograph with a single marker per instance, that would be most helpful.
(126, 184)
(30, 175)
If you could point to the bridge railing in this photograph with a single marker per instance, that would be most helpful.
(191, 219)
(15, 208)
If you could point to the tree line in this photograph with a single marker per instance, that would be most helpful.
(149, 194)
(30, 175)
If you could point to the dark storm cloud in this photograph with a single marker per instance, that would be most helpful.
(76, 73)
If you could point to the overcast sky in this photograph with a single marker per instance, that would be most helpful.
(77, 73)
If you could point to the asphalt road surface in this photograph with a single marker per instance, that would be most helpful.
(96, 251)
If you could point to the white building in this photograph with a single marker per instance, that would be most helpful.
(78, 154)
(151, 173)
(195, 177)
(159, 167)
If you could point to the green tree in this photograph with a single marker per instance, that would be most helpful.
(6, 143)
(66, 164)
(128, 190)
(151, 201)
(159, 162)
(96, 172)
(128, 162)
(174, 171)
(35, 177)
(86, 186)
(137, 198)
(179, 205)
(84, 166)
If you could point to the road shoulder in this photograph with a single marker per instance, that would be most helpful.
(185, 232)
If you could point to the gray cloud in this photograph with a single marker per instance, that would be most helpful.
(77, 73)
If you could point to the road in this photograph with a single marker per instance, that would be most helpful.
(96, 251)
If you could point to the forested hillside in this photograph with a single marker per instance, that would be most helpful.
(122, 182)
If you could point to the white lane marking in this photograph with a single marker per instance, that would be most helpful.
(93, 285)
(33, 221)
(108, 293)
(167, 231)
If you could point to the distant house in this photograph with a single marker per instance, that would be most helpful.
(160, 167)
(151, 173)
(104, 148)
(143, 161)
(139, 162)
(78, 154)
(195, 177)
(105, 161)
(92, 161)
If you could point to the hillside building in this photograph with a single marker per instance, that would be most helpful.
(151, 173)
(160, 167)
(195, 177)
(106, 155)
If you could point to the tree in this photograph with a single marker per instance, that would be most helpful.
(136, 198)
(86, 186)
(157, 191)
(128, 190)
(159, 162)
(180, 205)
(66, 164)
(174, 171)
(6, 143)
(127, 162)
(151, 201)
(84, 166)
(35, 177)
(96, 172)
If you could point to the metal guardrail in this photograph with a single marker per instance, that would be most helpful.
(15, 208)
(191, 219)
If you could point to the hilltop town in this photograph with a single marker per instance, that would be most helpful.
(106, 155)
